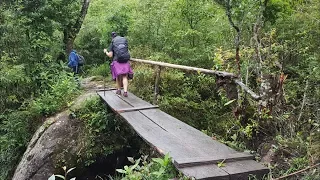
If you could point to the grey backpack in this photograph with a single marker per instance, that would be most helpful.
(80, 60)
(121, 50)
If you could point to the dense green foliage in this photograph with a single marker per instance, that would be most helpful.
(17, 127)
(279, 57)
(278, 44)
(33, 78)
(105, 133)
(157, 168)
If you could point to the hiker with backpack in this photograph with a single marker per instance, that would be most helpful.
(120, 66)
(75, 60)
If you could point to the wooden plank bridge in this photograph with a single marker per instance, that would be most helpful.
(193, 153)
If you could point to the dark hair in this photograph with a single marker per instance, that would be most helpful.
(113, 34)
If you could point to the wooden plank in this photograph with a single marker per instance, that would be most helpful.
(185, 133)
(238, 170)
(241, 170)
(188, 162)
(205, 172)
(158, 137)
(185, 144)
(188, 134)
(136, 109)
(108, 89)
(180, 130)
(133, 100)
(113, 100)
(164, 142)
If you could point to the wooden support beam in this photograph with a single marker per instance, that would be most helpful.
(189, 162)
(156, 85)
(110, 89)
(136, 109)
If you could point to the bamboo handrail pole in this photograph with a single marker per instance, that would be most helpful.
(188, 68)
(202, 70)
(246, 89)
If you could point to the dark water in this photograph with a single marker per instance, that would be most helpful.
(106, 166)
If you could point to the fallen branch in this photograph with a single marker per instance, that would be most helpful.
(297, 172)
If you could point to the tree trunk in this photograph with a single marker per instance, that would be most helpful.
(70, 32)
(237, 39)
(268, 82)
(238, 111)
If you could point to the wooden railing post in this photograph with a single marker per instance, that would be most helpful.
(156, 85)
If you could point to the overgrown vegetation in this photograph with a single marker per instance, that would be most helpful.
(34, 81)
(17, 127)
(104, 136)
(105, 133)
(278, 59)
(158, 168)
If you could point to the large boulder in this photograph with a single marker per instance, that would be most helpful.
(59, 139)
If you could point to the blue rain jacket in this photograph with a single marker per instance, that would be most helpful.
(73, 59)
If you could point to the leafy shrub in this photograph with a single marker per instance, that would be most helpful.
(142, 168)
(14, 83)
(143, 82)
(100, 70)
(57, 97)
(141, 51)
(93, 51)
(16, 127)
(14, 135)
(104, 132)
(64, 177)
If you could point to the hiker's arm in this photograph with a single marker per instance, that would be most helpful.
(110, 53)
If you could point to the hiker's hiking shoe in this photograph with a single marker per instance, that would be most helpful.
(118, 92)
(125, 94)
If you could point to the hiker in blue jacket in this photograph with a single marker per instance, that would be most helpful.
(74, 64)
(73, 61)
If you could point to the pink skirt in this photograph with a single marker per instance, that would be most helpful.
(120, 68)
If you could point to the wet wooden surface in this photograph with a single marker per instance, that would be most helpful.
(193, 153)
